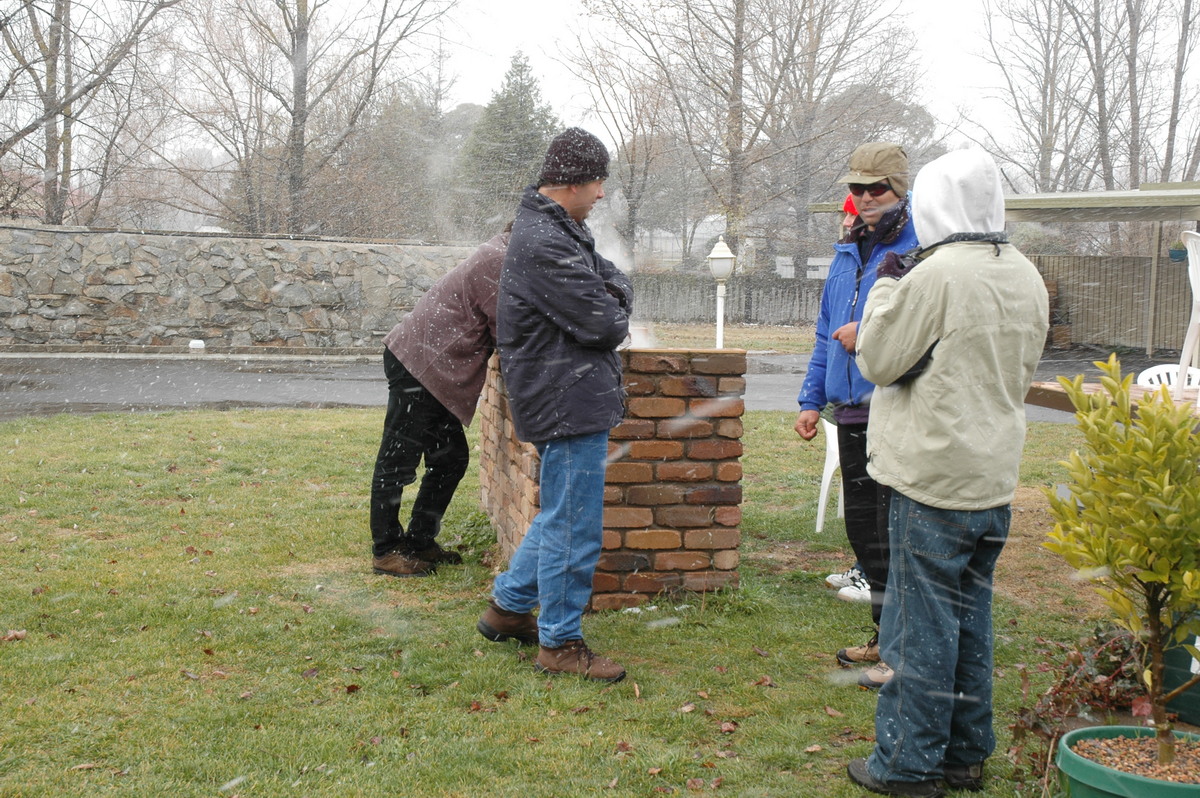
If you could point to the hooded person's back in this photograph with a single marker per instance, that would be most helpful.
(952, 435)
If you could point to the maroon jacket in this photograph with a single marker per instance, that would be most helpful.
(446, 340)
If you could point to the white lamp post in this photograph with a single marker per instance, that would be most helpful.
(720, 263)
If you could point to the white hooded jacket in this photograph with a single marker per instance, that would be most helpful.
(951, 437)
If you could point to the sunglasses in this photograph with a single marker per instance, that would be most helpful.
(875, 189)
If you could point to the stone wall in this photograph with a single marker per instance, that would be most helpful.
(65, 286)
(62, 285)
(672, 497)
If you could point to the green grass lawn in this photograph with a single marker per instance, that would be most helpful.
(188, 609)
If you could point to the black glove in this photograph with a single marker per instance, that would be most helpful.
(896, 266)
(617, 294)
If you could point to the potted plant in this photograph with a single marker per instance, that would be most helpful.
(1177, 251)
(1130, 525)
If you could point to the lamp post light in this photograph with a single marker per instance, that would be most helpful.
(720, 263)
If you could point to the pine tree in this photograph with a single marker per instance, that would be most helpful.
(504, 151)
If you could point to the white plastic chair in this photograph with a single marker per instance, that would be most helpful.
(1191, 240)
(832, 465)
(1166, 374)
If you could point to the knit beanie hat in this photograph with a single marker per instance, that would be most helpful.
(575, 156)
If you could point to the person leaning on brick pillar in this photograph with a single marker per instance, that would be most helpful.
(563, 309)
(435, 361)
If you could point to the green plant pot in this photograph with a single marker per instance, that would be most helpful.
(1177, 255)
(1080, 777)
(1179, 668)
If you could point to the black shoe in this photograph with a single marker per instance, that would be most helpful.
(964, 777)
(858, 773)
(401, 563)
(437, 555)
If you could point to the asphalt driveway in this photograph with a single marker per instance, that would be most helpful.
(87, 383)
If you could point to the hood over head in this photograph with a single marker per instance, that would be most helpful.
(957, 193)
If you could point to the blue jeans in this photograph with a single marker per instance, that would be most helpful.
(554, 565)
(936, 634)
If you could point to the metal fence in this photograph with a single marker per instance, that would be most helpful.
(1108, 302)
(749, 299)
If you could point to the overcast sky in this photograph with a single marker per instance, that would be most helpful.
(486, 33)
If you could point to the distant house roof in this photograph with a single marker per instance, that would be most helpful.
(1152, 202)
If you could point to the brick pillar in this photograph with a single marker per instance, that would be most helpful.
(672, 499)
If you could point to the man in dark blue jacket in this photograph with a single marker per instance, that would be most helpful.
(562, 311)
(878, 182)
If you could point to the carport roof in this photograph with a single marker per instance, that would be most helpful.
(1147, 204)
(1152, 202)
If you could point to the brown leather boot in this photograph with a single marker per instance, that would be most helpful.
(876, 676)
(860, 655)
(575, 657)
(498, 624)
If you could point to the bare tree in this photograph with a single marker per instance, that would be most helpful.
(281, 86)
(752, 84)
(1045, 85)
(59, 56)
(699, 51)
(636, 113)
(1085, 79)
(1110, 41)
(1183, 48)
(1099, 92)
(837, 96)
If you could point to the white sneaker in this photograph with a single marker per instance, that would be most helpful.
(844, 579)
(859, 589)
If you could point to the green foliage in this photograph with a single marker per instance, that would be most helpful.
(1131, 524)
(505, 150)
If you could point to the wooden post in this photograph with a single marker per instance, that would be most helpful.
(1153, 299)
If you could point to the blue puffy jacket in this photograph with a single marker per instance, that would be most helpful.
(833, 376)
(562, 311)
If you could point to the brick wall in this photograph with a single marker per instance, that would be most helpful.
(673, 492)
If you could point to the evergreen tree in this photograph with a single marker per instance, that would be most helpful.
(504, 151)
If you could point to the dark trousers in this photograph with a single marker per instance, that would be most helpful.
(416, 425)
(866, 505)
